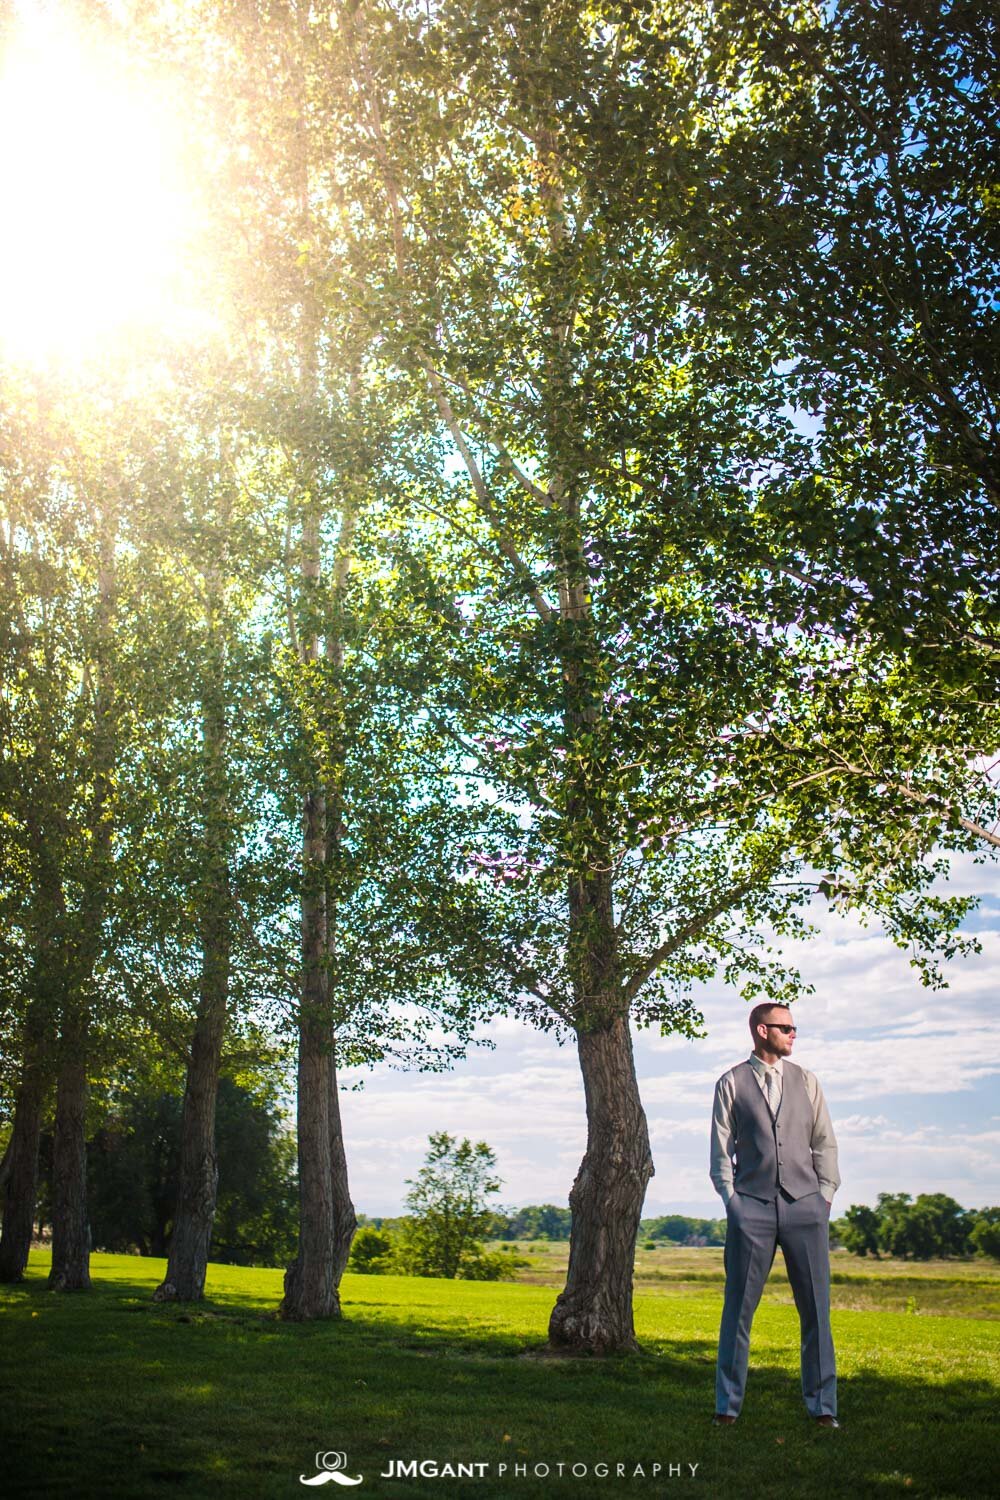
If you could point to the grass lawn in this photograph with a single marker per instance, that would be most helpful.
(107, 1394)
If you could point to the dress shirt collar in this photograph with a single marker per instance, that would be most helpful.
(762, 1068)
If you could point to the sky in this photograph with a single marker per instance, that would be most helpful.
(910, 1074)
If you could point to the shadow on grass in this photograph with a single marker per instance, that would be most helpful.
(110, 1394)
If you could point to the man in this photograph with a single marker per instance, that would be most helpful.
(774, 1162)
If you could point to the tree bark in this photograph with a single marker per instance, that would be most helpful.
(327, 1219)
(311, 1281)
(187, 1260)
(345, 1220)
(194, 1216)
(70, 1271)
(21, 1187)
(593, 1313)
(310, 1285)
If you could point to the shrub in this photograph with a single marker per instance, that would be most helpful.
(372, 1252)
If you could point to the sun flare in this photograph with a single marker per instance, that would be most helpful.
(98, 220)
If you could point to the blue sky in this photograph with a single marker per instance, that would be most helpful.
(910, 1074)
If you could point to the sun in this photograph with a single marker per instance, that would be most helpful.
(98, 217)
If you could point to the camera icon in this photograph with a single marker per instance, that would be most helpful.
(331, 1466)
(331, 1462)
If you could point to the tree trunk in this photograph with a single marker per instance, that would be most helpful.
(310, 1284)
(326, 1214)
(594, 1312)
(187, 1261)
(345, 1220)
(327, 1220)
(194, 1216)
(310, 1281)
(21, 1187)
(70, 1226)
(38, 1060)
(70, 1270)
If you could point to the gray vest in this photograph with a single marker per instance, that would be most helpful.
(773, 1154)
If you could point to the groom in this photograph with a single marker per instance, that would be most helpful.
(774, 1162)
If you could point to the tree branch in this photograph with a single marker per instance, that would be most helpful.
(683, 935)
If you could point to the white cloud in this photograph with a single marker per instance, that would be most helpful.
(928, 1160)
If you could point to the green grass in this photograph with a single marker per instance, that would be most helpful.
(109, 1395)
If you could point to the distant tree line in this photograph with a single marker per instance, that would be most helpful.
(545, 1221)
(536, 1222)
(929, 1226)
(678, 1229)
(921, 1228)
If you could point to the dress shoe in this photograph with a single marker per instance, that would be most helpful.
(721, 1420)
(826, 1422)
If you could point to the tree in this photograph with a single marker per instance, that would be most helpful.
(871, 241)
(381, 841)
(371, 1251)
(858, 1230)
(984, 1236)
(30, 890)
(449, 1208)
(930, 1225)
(933, 1224)
(623, 658)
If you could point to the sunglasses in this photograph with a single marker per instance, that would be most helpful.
(777, 1026)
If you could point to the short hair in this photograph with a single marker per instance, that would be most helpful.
(760, 1012)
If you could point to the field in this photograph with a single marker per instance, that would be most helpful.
(964, 1288)
(109, 1395)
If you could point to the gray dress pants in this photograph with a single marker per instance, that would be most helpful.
(754, 1229)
